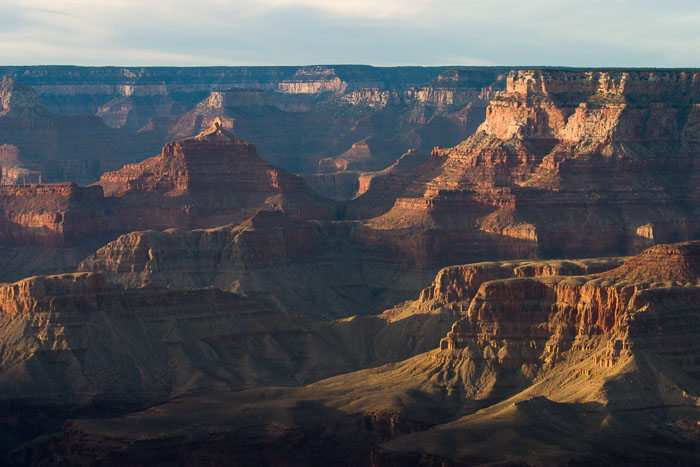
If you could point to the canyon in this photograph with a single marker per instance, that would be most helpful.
(349, 265)
(303, 119)
(580, 366)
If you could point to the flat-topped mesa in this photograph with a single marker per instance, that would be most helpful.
(82, 293)
(461, 283)
(676, 263)
(50, 294)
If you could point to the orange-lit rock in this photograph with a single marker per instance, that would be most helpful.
(566, 164)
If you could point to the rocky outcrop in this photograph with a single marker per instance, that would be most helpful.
(299, 266)
(207, 180)
(621, 344)
(590, 363)
(124, 345)
(603, 391)
(459, 283)
(344, 186)
(19, 101)
(51, 214)
(536, 321)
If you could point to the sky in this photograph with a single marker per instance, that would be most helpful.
(585, 33)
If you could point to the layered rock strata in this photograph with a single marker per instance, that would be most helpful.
(566, 163)
(38, 146)
(619, 348)
(50, 214)
(207, 180)
(370, 127)
(554, 369)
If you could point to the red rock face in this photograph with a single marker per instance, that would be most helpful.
(566, 164)
(535, 321)
(208, 180)
(458, 283)
(51, 215)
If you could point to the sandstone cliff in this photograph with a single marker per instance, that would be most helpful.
(207, 180)
(620, 346)
(287, 112)
(50, 214)
(566, 164)
(303, 267)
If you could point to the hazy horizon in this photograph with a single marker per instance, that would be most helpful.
(563, 33)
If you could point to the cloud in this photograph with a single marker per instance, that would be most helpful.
(368, 9)
(220, 32)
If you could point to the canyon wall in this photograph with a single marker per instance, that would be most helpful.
(39, 146)
(547, 368)
(565, 164)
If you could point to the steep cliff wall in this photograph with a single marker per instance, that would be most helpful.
(51, 215)
(566, 164)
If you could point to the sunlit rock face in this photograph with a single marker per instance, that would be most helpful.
(565, 164)
(211, 179)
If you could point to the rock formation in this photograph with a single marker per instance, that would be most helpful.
(302, 267)
(205, 181)
(620, 346)
(287, 112)
(220, 290)
(50, 214)
(344, 186)
(327, 124)
(566, 164)
(211, 179)
(545, 369)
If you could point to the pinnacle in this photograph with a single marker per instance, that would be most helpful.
(216, 133)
